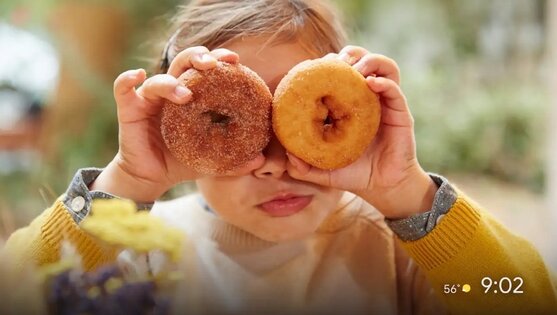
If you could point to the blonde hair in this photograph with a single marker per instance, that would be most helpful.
(314, 24)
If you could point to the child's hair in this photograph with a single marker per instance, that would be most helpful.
(213, 23)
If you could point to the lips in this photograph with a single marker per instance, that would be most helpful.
(285, 205)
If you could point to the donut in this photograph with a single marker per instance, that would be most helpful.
(226, 124)
(324, 113)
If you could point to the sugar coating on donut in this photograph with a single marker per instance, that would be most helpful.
(226, 124)
(325, 113)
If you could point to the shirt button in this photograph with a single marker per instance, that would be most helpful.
(78, 203)
(439, 218)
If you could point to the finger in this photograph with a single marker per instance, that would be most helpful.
(182, 61)
(378, 65)
(300, 170)
(352, 54)
(125, 83)
(161, 87)
(298, 163)
(330, 56)
(223, 54)
(395, 111)
(203, 61)
(389, 92)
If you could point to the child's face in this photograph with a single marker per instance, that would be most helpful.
(268, 202)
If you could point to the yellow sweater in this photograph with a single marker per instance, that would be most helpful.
(353, 261)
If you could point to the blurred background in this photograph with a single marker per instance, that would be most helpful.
(479, 77)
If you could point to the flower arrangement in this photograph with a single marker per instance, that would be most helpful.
(118, 223)
(65, 288)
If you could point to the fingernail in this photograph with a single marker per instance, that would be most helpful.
(351, 60)
(181, 91)
(344, 56)
(293, 160)
(206, 58)
(134, 73)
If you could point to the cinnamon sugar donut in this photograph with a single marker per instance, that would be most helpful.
(226, 124)
(324, 113)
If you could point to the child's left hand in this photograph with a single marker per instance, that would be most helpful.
(388, 174)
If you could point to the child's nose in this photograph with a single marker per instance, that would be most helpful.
(275, 160)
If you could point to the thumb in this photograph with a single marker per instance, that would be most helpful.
(298, 169)
(125, 83)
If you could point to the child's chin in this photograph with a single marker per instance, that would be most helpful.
(289, 228)
(281, 236)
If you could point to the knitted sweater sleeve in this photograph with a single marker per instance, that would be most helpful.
(39, 243)
(467, 245)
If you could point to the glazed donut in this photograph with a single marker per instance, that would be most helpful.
(324, 113)
(226, 124)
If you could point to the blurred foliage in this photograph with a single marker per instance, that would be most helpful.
(471, 70)
(491, 131)
(473, 75)
(27, 193)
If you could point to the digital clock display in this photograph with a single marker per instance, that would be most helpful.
(504, 285)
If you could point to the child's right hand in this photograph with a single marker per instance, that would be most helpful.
(144, 169)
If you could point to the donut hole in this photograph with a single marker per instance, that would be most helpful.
(332, 118)
(326, 102)
(329, 120)
(217, 118)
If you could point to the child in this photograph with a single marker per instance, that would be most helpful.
(278, 235)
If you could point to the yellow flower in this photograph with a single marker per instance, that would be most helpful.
(118, 223)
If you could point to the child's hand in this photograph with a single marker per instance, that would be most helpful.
(144, 169)
(388, 174)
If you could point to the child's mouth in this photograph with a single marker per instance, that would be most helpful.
(285, 205)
